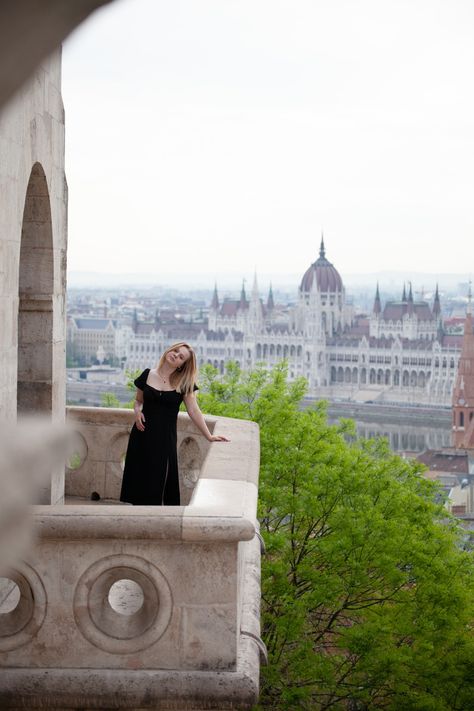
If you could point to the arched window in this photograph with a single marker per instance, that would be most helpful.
(35, 310)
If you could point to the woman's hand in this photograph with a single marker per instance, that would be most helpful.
(218, 438)
(140, 421)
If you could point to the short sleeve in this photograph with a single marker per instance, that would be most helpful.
(140, 382)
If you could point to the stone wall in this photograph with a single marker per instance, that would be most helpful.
(192, 641)
(96, 464)
(33, 206)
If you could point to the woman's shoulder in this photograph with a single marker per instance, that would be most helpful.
(140, 381)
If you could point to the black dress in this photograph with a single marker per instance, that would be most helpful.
(150, 475)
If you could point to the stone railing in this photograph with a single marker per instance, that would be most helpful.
(101, 442)
(188, 637)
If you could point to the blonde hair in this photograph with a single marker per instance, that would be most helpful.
(184, 379)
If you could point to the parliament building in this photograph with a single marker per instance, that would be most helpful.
(398, 353)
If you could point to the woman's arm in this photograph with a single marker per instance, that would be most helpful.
(197, 417)
(137, 409)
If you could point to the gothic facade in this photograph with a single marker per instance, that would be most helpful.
(398, 353)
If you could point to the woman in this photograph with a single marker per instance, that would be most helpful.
(151, 465)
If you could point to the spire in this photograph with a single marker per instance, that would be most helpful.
(134, 320)
(322, 251)
(410, 307)
(463, 393)
(404, 295)
(157, 320)
(270, 301)
(243, 299)
(215, 299)
(436, 303)
(255, 287)
(377, 305)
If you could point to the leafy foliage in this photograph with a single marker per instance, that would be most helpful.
(367, 589)
(111, 400)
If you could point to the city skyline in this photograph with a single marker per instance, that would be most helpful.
(216, 138)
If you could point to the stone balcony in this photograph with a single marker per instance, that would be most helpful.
(137, 607)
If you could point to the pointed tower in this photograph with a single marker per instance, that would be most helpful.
(156, 324)
(270, 301)
(375, 321)
(410, 300)
(134, 321)
(243, 303)
(212, 323)
(463, 393)
(255, 317)
(377, 305)
(436, 303)
(322, 251)
(404, 295)
(215, 299)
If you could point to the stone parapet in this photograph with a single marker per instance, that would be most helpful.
(192, 639)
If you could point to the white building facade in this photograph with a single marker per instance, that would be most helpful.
(397, 354)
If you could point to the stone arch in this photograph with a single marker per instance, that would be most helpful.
(259, 350)
(347, 375)
(333, 374)
(380, 378)
(413, 378)
(372, 376)
(340, 374)
(272, 349)
(406, 378)
(396, 377)
(363, 376)
(35, 295)
(387, 377)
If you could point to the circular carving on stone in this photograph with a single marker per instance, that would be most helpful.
(21, 624)
(126, 597)
(110, 630)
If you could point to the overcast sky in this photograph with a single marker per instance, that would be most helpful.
(216, 137)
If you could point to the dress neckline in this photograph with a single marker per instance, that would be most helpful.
(160, 391)
(157, 389)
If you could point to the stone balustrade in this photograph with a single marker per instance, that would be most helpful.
(188, 638)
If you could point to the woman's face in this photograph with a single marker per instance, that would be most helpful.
(178, 356)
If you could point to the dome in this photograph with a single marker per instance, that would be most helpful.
(327, 277)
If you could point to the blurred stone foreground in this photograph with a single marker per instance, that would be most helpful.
(30, 451)
(102, 605)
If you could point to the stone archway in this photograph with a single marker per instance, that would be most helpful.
(35, 292)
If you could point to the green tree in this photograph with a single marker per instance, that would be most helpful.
(367, 589)
(111, 400)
